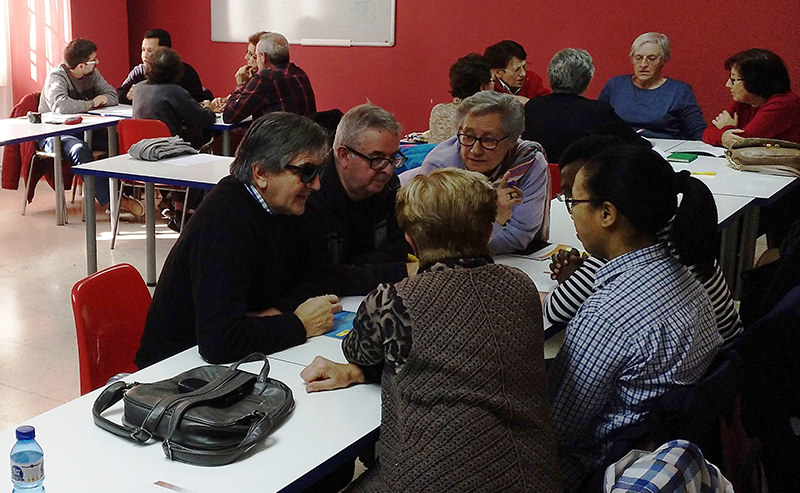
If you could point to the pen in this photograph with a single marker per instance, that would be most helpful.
(704, 173)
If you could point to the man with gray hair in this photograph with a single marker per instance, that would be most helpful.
(352, 216)
(241, 277)
(279, 85)
(487, 141)
(559, 119)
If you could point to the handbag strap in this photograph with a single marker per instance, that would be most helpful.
(226, 383)
(258, 430)
(264, 373)
(110, 396)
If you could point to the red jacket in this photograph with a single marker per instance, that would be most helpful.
(532, 86)
(777, 118)
(17, 157)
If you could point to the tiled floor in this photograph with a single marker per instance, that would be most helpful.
(39, 263)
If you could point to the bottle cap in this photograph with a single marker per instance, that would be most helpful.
(26, 432)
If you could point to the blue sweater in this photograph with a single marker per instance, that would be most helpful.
(668, 112)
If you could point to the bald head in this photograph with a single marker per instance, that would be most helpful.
(274, 47)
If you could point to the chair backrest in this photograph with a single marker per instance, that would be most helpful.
(555, 180)
(132, 130)
(110, 308)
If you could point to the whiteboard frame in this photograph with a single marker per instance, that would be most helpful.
(218, 37)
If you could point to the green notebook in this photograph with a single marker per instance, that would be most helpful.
(681, 157)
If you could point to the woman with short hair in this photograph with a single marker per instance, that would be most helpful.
(470, 74)
(655, 106)
(160, 98)
(559, 119)
(763, 102)
(458, 350)
(763, 106)
(488, 141)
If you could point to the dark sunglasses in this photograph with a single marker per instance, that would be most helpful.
(308, 171)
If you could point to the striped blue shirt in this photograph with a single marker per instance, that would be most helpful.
(648, 327)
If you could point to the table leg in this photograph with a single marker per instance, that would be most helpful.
(113, 205)
(226, 143)
(150, 225)
(91, 225)
(728, 252)
(747, 245)
(113, 141)
(59, 182)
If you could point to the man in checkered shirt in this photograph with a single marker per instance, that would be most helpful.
(279, 85)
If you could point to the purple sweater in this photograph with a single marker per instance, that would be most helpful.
(531, 219)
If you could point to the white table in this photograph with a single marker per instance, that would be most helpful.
(126, 111)
(739, 239)
(326, 430)
(17, 130)
(193, 170)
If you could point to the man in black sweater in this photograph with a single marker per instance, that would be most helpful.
(352, 216)
(240, 277)
(189, 80)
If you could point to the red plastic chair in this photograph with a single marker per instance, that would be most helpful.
(555, 180)
(110, 308)
(131, 131)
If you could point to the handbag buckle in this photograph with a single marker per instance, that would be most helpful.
(137, 435)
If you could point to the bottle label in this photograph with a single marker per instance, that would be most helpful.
(27, 472)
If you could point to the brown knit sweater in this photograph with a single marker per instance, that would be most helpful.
(468, 410)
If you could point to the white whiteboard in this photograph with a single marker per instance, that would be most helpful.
(308, 22)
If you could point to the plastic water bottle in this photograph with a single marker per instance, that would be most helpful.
(27, 462)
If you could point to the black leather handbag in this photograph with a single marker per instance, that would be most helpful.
(207, 416)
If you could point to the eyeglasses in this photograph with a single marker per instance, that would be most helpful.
(571, 203)
(92, 62)
(519, 68)
(649, 58)
(307, 171)
(378, 163)
(488, 143)
(734, 80)
(250, 55)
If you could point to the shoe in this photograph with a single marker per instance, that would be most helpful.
(175, 222)
(131, 205)
(166, 207)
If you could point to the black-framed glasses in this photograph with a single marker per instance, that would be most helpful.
(380, 162)
(571, 203)
(734, 80)
(307, 171)
(488, 143)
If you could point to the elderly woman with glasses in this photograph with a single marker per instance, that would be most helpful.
(488, 142)
(457, 350)
(763, 102)
(763, 106)
(559, 119)
(652, 104)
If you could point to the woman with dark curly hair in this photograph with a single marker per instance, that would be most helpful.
(763, 102)
(160, 98)
(469, 75)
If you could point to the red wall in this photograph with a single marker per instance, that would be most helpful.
(411, 76)
(106, 23)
